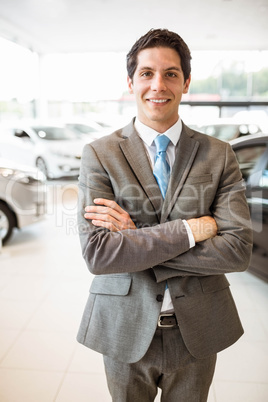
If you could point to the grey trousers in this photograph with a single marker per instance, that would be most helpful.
(167, 365)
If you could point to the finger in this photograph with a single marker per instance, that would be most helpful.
(110, 222)
(104, 213)
(107, 219)
(119, 214)
(106, 225)
(101, 210)
(111, 212)
(98, 216)
(109, 203)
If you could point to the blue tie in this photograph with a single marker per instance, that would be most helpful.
(161, 167)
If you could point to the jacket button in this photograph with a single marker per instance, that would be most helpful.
(159, 298)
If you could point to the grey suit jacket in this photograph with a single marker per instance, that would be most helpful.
(131, 266)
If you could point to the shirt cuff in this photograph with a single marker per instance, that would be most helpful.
(190, 234)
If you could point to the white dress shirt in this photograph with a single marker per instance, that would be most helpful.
(147, 134)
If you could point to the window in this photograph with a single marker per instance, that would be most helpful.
(248, 158)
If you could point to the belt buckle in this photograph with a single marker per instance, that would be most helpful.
(161, 316)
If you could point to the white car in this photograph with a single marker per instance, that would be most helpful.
(23, 197)
(55, 150)
(228, 129)
(88, 130)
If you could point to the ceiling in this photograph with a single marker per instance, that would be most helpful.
(61, 26)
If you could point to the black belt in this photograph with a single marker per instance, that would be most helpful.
(167, 321)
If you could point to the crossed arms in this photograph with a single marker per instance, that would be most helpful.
(111, 242)
(108, 214)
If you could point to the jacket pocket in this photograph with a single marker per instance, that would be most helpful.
(205, 178)
(213, 283)
(117, 285)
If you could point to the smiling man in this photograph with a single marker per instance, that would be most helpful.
(158, 84)
(162, 217)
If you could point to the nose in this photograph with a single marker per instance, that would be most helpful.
(158, 83)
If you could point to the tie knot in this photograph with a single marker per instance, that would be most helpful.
(161, 143)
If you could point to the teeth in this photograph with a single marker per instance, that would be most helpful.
(158, 100)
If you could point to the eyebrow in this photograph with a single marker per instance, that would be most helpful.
(173, 68)
(167, 69)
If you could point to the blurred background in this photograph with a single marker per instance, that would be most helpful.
(63, 84)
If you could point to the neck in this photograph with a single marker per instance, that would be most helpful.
(160, 127)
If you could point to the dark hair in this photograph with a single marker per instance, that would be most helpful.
(160, 38)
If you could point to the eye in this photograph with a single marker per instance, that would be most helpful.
(146, 74)
(172, 75)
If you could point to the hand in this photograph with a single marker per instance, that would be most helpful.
(108, 214)
(203, 228)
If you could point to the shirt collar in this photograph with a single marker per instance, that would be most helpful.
(148, 134)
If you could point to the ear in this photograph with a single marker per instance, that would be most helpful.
(130, 85)
(186, 85)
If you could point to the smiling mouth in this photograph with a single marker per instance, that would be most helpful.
(158, 100)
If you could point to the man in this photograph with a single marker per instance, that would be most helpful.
(159, 228)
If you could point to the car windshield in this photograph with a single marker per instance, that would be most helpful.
(83, 128)
(248, 156)
(223, 132)
(54, 133)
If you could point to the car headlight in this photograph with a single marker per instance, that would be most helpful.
(30, 177)
(64, 155)
(23, 177)
(57, 153)
(6, 172)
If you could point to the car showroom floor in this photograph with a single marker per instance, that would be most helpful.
(43, 289)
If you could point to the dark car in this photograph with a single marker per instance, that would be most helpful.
(252, 155)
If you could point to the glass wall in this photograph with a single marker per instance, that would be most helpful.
(224, 84)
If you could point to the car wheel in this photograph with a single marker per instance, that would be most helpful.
(41, 164)
(7, 222)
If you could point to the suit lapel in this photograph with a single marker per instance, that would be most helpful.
(187, 149)
(134, 151)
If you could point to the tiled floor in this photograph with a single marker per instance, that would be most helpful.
(43, 288)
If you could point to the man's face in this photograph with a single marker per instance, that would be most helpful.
(158, 85)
